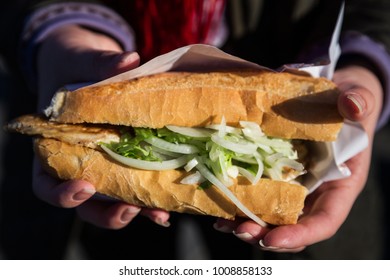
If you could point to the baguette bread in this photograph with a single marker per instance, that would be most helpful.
(274, 202)
(283, 104)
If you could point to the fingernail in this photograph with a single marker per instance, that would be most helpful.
(128, 57)
(129, 213)
(162, 223)
(264, 247)
(83, 194)
(245, 236)
(358, 101)
(223, 228)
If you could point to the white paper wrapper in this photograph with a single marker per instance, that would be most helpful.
(330, 157)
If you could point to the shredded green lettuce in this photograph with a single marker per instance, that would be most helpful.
(131, 145)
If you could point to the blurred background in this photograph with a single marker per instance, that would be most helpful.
(3, 113)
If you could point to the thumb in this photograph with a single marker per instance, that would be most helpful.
(356, 103)
(361, 95)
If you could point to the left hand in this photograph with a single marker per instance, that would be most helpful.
(327, 208)
(72, 54)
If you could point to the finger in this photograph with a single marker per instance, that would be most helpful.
(160, 217)
(61, 194)
(296, 237)
(99, 65)
(247, 231)
(107, 64)
(107, 214)
(225, 226)
(250, 232)
(356, 103)
(280, 250)
(228, 226)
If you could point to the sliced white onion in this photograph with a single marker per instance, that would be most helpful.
(191, 131)
(222, 163)
(291, 176)
(193, 179)
(274, 173)
(243, 147)
(271, 159)
(286, 162)
(251, 130)
(222, 129)
(161, 156)
(247, 174)
(260, 169)
(228, 129)
(172, 147)
(232, 171)
(275, 143)
(210, 176)
(165, 152)
(245, 158)
(265, 148)
(190, 164)
(147, 165)
(254, 179)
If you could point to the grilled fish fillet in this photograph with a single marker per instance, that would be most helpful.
(77, 134)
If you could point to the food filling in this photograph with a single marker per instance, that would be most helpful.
(226, 152)
(216, 154)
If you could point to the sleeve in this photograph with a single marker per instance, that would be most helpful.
(367, 34)
(44, 20)
(357, 44)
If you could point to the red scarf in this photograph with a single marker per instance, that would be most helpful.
(164, 25)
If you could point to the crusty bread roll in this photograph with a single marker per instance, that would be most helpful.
(274, 202)
(283, 104)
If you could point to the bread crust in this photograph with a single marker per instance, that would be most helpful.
(283, 104)
(274, 202)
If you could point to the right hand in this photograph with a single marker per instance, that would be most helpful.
(73, 54)
(327, 208)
